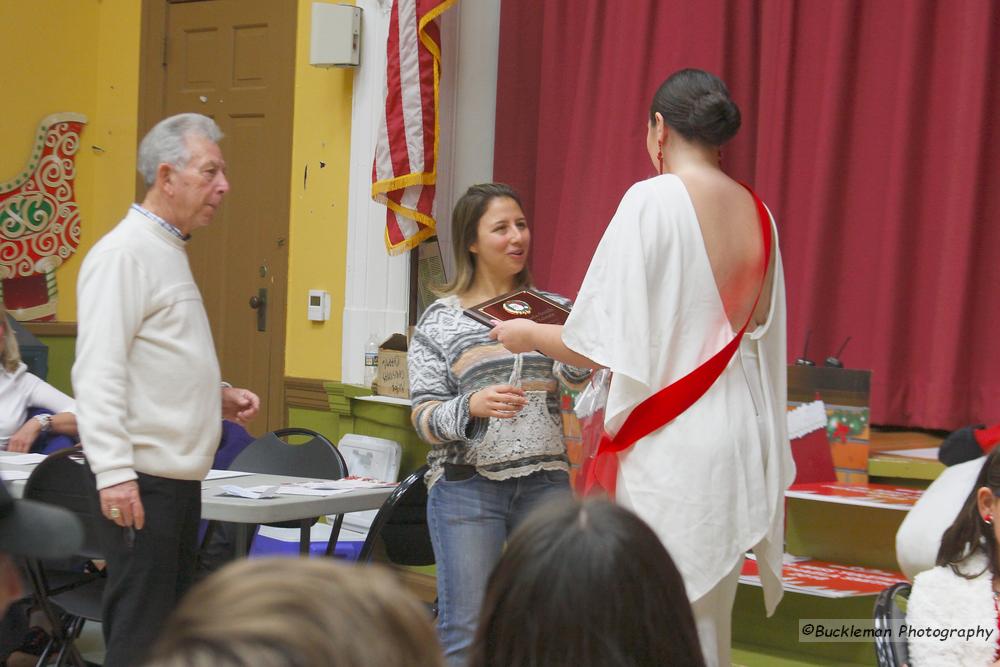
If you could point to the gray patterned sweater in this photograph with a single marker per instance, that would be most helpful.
(450, 357)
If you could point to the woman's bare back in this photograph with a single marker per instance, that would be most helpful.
(731, 229)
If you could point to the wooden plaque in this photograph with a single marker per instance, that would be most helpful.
(524, 304)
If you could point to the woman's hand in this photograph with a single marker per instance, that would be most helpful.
(24, 437)
(517, 335)
(498, 400)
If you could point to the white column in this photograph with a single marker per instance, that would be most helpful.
(377, 289)
(378, 285)
(470, 31)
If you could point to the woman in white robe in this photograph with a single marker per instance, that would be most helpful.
(673, 279)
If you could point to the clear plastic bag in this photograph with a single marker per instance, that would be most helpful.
(594, 396)
(589, 409)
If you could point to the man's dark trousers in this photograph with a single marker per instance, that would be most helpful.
(149, 569)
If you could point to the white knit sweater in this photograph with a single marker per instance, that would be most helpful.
(943, 601)
(146, 377)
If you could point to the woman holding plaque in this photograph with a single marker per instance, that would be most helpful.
(491, 417)
(684, 301)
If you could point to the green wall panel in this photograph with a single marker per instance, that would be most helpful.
(320, 421)
(62, 352)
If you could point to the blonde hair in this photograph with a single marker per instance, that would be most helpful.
(10, 356)
(465, 230)
(298, 612)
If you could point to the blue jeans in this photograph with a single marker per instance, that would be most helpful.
(470, 521)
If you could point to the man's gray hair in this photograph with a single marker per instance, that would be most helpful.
(167, 142)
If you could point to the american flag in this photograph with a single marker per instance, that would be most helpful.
(405, 166)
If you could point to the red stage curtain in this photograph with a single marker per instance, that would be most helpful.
(869, 127)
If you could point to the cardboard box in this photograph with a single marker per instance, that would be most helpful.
(393, 375)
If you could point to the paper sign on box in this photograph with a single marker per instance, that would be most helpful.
(392, 377)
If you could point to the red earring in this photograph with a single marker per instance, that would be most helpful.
(988, 519)
(659, 153)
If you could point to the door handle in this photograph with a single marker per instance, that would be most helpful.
(259, 303)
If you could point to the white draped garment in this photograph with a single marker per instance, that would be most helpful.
(710, 483)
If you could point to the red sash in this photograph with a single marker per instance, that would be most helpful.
(665, 405)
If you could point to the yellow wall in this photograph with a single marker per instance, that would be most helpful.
(318, 217)
(79, 56)
(83, 56)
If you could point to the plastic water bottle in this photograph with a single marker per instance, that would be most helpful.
(371, 360)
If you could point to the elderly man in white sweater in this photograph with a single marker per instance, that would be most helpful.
(147, 381)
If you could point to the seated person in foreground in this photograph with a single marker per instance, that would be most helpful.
(918, 539)
(21, 391)
(586, 584)
(29, 529)
(273, 612)
(961, 592)
(919, 536)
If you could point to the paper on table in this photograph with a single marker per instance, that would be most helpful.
(223, 474)
(303, 490)
(13, 475)
(23, 459)
(253, 493)
(349, 483)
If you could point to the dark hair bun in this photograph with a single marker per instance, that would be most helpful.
(697, 104)
(714, 119)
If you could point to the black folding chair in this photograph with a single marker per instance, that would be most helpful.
(399, 533)
(298, 452)
(889, 616)
(68, 597)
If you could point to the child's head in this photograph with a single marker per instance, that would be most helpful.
(975, 528)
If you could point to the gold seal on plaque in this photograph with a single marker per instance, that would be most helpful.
(517, 308)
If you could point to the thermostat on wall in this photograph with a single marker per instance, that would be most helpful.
(319, 305)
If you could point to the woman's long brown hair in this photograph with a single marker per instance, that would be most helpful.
(464, 231)
(969, 534)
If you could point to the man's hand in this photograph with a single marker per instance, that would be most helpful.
(24, 437)
(121, 503)
(239, 405)
(517, 335)
(498, 400)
